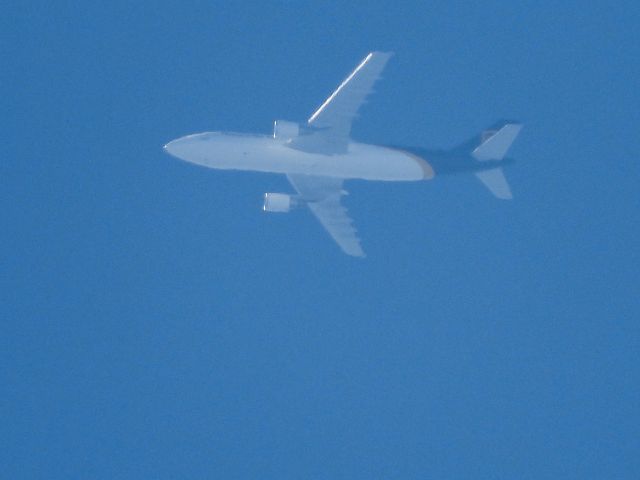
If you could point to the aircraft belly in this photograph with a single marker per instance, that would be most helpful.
(263, 154)
(362, 162)
(370, 162)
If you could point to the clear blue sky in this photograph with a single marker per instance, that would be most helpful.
(157, 324)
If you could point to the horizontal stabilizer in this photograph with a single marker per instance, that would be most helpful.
(495, 181)
(496, 145)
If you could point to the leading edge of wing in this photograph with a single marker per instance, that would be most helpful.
(322, 196)
(339, 110)
(376, 62)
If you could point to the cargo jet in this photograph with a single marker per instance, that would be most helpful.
(318, 156)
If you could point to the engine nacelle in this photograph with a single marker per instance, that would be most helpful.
(283, 130)
(278, 202)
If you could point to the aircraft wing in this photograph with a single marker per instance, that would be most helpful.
(322, 195)
(331, 123)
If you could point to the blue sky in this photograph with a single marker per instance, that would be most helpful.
(157, 324)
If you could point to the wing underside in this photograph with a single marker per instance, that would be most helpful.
(328, 133)
(322, 196)
(331, 123)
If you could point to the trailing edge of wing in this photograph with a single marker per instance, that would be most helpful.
(336, 221)
(322, 195)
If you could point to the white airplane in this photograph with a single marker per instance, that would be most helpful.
(319, 156)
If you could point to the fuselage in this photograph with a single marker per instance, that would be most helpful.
(263, 153)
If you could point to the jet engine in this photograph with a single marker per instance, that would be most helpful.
(284, 130)
(278, 202)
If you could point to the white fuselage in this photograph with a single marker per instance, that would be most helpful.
(261, 153)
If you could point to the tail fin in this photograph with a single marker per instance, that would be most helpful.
(493, 145)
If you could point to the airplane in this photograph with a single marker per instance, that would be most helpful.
(319, 156)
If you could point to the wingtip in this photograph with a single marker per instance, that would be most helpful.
(507, 121)
(380, 53)
(357, 252)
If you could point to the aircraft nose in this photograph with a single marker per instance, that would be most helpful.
(181, 148)
(170, 148)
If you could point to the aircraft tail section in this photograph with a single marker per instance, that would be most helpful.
(493, 146)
